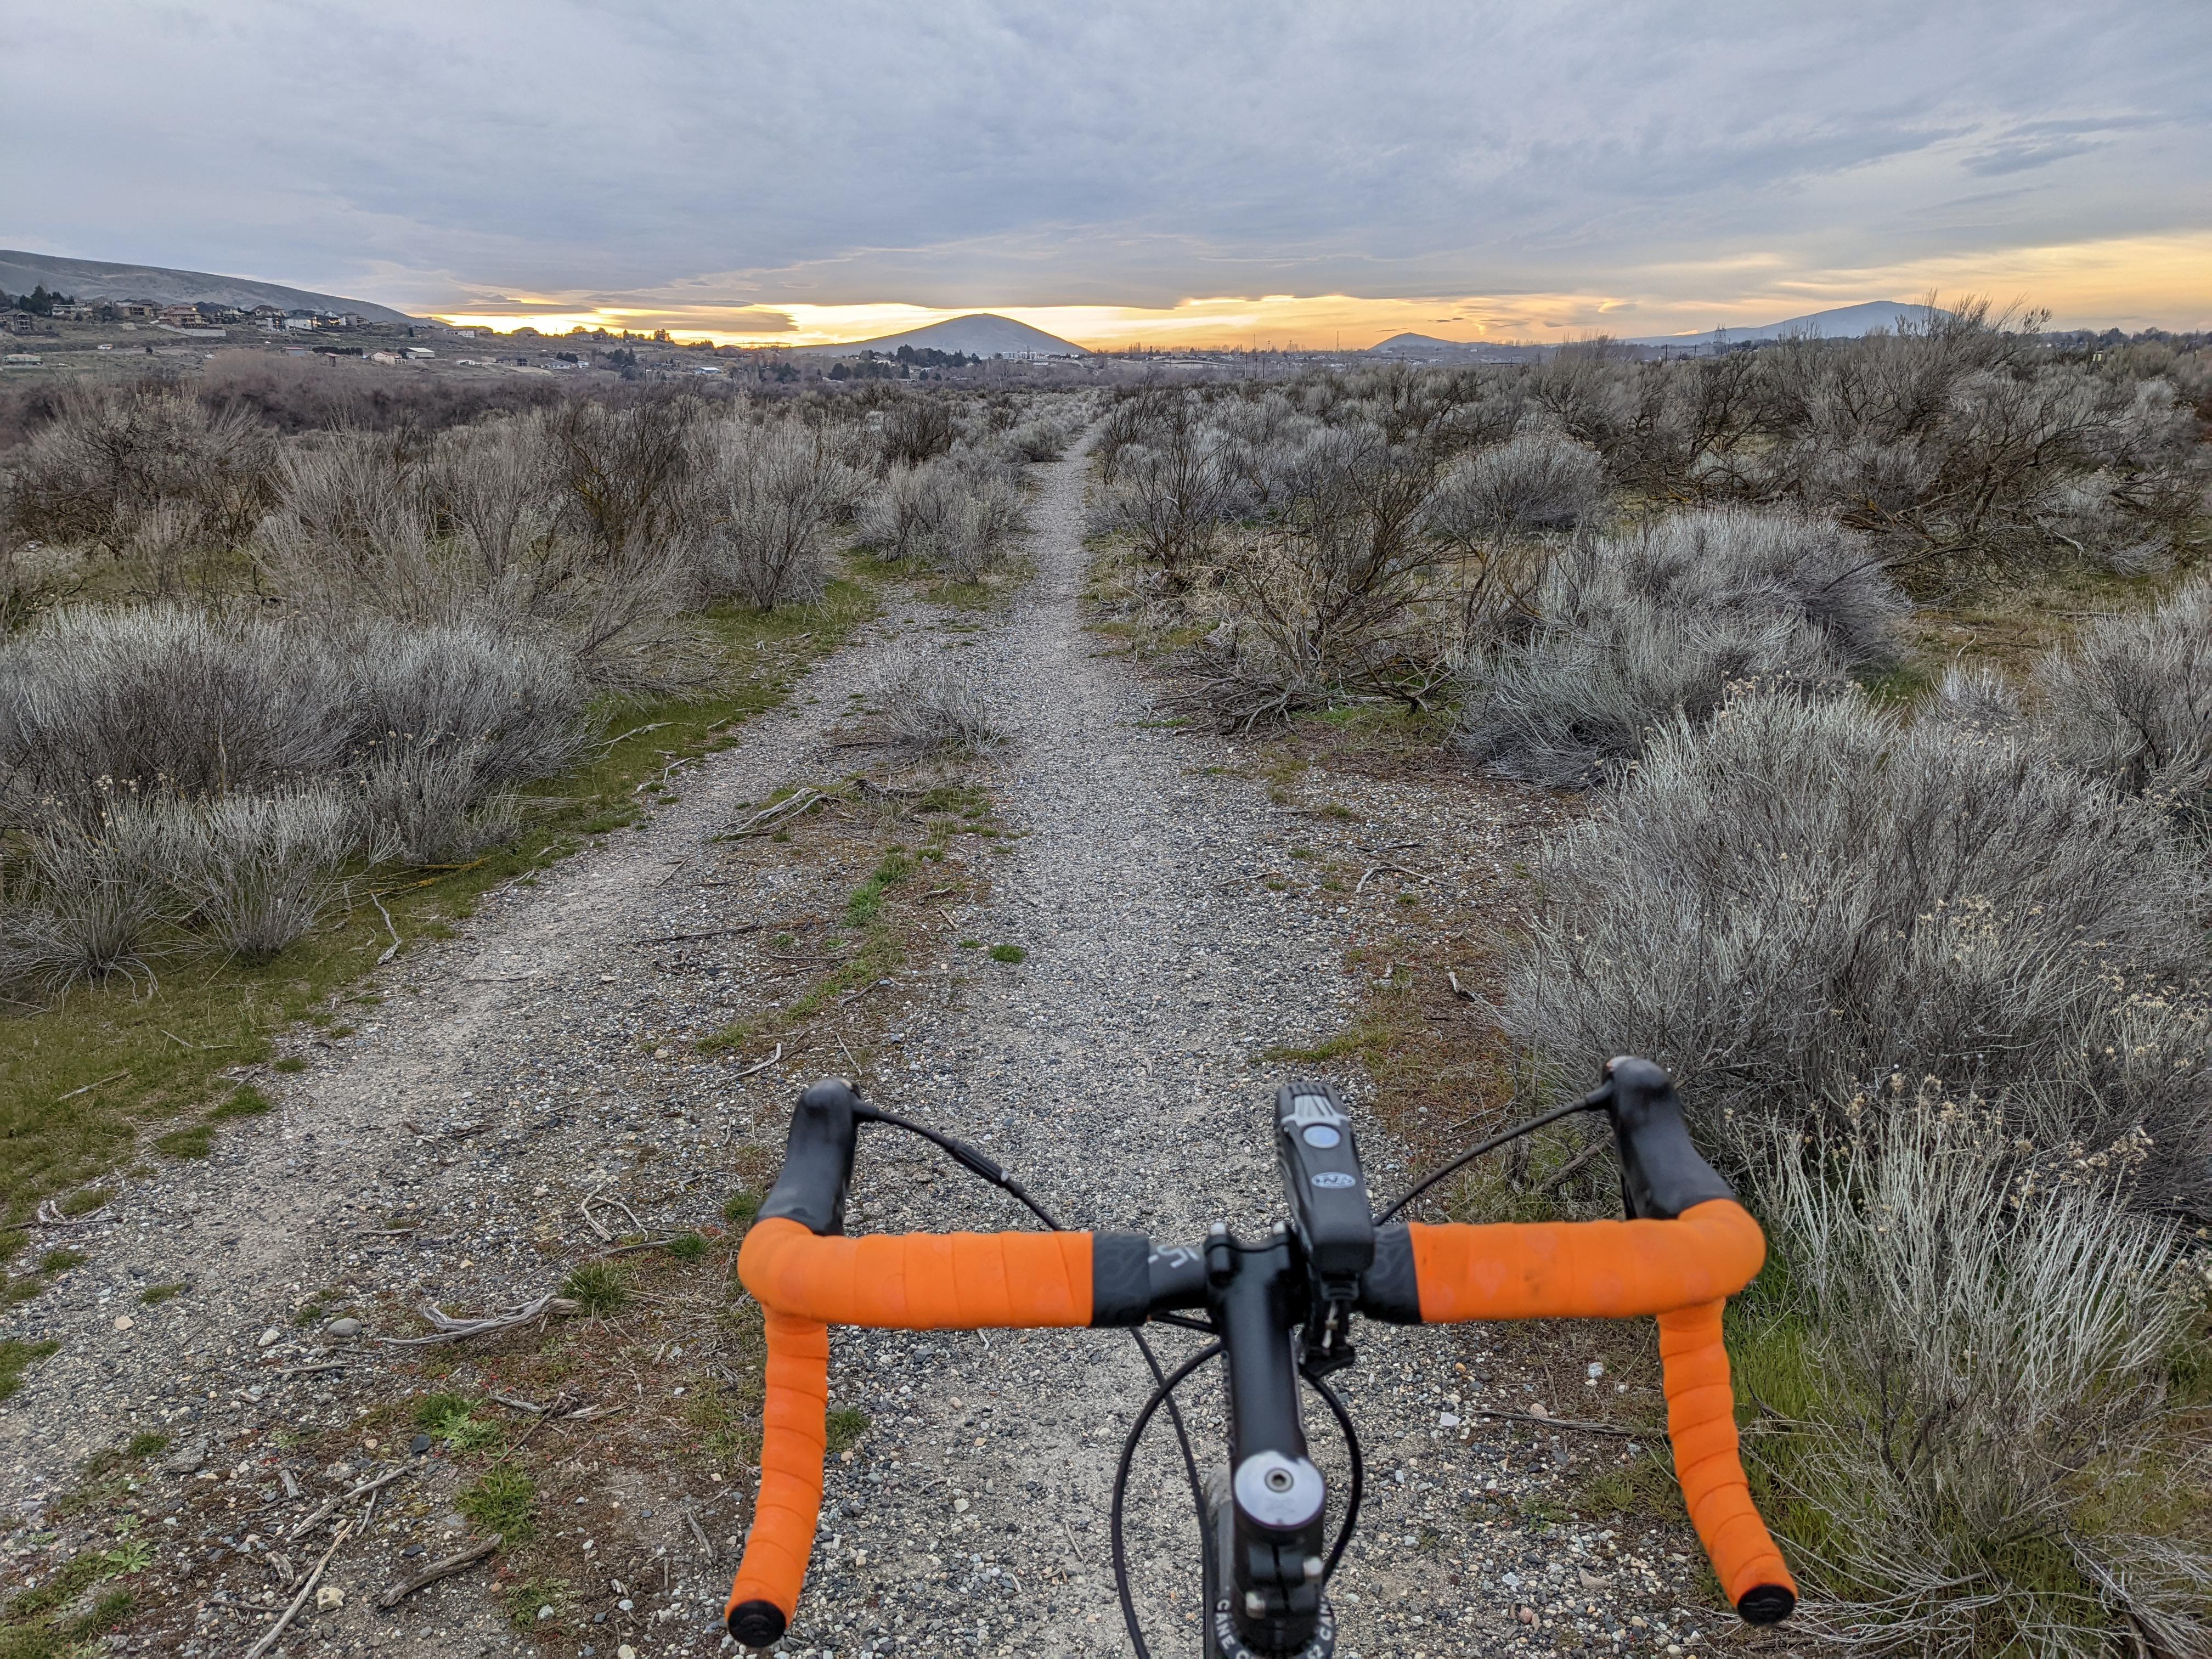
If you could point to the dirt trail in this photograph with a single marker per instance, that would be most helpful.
(1119, 1070)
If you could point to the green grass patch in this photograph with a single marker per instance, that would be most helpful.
(81, 1081)
(154, 1294)
(290, 1063)
(687, 1247)
(246, 1102)
(60, 1261)
(867, 902)
(739, 1208)
(844, 1426)
(502, 1501)
(598, 1286)
(16, 1357)
(1008, 953)
(197, 1141)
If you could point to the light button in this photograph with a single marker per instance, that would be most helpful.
(1322, 1135)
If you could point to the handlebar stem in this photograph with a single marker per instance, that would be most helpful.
(1269, 1590)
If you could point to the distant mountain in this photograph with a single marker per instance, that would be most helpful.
(1415, 345)
(96, 279)
(1427, 348)
(981, 335)
(1844, 323)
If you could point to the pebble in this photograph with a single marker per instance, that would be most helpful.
(344, 1329)
(419, 1444)
(329, 1599)
(270, 1338)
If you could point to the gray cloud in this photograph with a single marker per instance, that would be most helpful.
(1039, 153)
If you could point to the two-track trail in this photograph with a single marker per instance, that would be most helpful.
(1120, 1070)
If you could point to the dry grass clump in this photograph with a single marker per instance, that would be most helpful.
(2130, 701)
(1967, 1354)
(1636, 629)
(925, 705)
(1800, 897)
(257, 871)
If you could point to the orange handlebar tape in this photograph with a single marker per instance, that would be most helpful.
(1701, 1423)
(792, 1443)
(1585, 1269)
(920, 1281)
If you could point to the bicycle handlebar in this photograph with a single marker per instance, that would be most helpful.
(1691, 1247)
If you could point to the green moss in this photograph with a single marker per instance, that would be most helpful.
(1007, 953)
(154, 1294)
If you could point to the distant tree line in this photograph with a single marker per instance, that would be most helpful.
(38, 302)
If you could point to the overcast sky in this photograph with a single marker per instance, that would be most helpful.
(1465, 168)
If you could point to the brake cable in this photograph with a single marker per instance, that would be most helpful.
(1590, 1102)
(978, 1162)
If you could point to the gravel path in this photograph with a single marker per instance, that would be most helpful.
(1119, 1071)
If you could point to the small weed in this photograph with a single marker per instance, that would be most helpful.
(432, 1409)
(534, 1603)
(687, 1247)
(308, 1316)
(598, 1286)
(971, 944)
(844, 1426)
(60, 1261)
(290, 1063)
(502, 1501)
(1007, 953)
(740, 1207)
(86, 1200)
(154, 1294)
(147, 1443)
(342, 1030)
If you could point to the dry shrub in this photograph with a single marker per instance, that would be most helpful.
(1795, 900)
(473, 533)
(1169, 497)
(92, 897)
(1536, 482)
(954, 515)
(914, 429)
(435, 800)
(771, 493)
(108, 457)
(1636, 630)
(2130, 701)
(1969, 1351)
(927, 706)
(161, 697)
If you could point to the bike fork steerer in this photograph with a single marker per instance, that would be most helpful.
(1264, 1537)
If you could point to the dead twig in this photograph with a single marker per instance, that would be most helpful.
(449, 1329)
(761, 1065)
(1557, 1423)
(1377, 869)
(635, 731)
(112, 1077)
(1459, 990)
(392, 949)
(710, 932)
(1559, 1178)
(706, 1544)
(770, 817)
(437, 1570)
(50, 1215)
(268, 1636)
